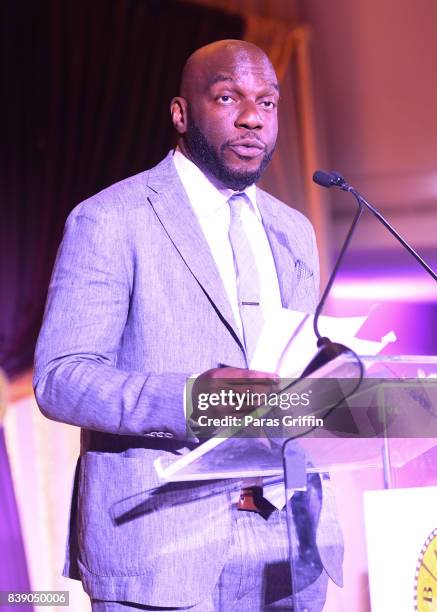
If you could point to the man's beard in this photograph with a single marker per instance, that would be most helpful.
(213, 163)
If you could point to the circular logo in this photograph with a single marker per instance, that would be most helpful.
(425, 582)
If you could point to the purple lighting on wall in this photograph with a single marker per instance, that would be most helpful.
(385, 289)
(405, 298)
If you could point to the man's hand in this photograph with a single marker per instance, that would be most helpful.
(230, 391)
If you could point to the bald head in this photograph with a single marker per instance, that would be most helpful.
(226, 111)
(202, 64)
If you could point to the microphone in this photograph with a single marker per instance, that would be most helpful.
(327, 179)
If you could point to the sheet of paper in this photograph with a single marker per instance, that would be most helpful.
(288, 343)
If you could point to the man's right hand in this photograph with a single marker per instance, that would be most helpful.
(230, 387)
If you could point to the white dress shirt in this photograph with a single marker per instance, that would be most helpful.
(212, 210)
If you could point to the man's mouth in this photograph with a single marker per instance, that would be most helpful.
(247, 148)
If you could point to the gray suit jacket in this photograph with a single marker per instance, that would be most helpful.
(135, 306)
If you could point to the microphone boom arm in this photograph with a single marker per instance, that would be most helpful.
(335, 269)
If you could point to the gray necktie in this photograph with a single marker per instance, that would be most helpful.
(248, 280)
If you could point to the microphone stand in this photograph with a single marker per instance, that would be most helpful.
(329, 350)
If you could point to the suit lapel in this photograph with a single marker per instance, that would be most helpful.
(282, 253)
(170, 203)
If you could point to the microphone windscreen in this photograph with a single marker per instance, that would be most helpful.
(325, 179)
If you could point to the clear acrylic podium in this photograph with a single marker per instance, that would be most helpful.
(390, 420)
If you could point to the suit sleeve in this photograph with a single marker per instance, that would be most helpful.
(76, 377)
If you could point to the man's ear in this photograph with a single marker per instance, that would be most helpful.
(178, 110)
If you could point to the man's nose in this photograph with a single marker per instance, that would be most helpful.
(249, 116)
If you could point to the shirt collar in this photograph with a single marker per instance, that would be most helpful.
(204, 196)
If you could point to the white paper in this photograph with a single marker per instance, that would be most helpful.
(287, 342)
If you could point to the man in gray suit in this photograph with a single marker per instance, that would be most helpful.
(146, 292)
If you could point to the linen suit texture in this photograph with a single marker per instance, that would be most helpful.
(135, 306)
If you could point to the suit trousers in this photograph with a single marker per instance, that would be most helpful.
(256, 573)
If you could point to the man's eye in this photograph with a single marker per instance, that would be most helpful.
(225, 99)
(268, 104)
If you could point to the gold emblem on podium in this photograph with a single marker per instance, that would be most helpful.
(425, 582)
